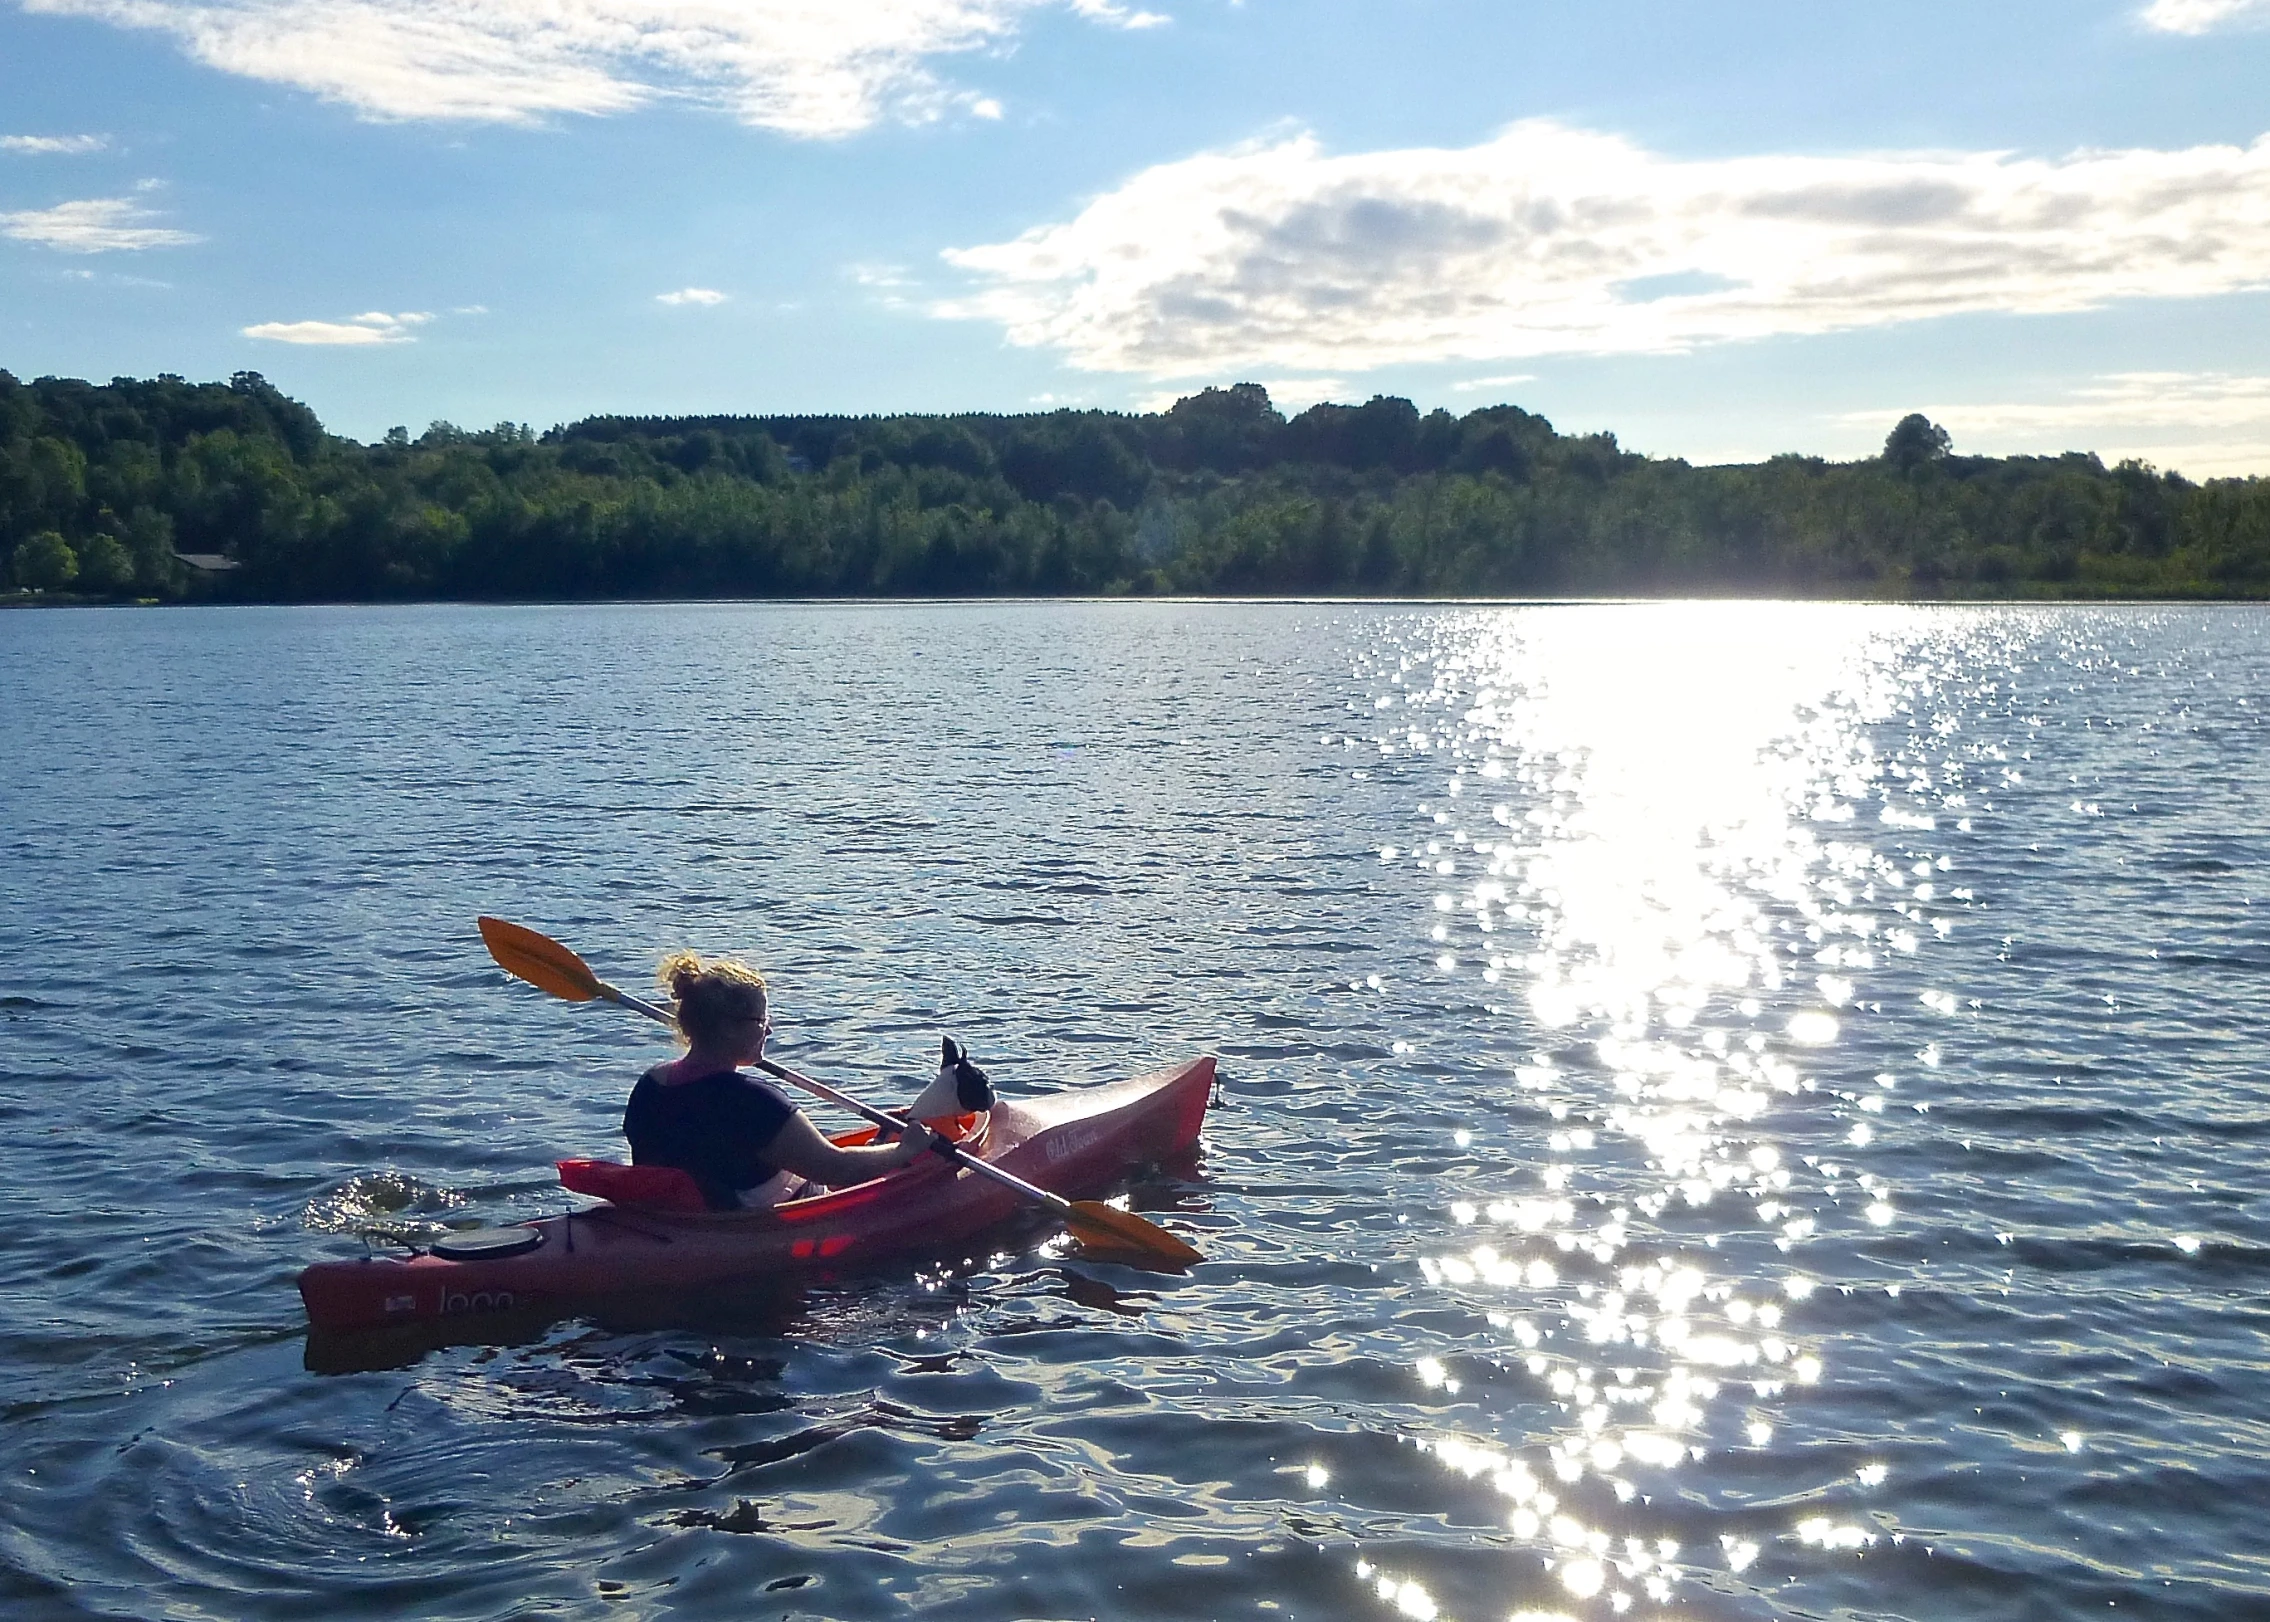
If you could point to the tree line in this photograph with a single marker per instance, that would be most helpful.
(164, 489)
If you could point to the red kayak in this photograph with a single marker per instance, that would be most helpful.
(1072, 1143)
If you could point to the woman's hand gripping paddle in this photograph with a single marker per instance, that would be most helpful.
(548, 966)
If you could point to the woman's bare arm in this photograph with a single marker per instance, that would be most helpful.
(800, 1147)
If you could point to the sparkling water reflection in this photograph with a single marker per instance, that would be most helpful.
(1732, 1111)
(1659, 808)
(1696, 849)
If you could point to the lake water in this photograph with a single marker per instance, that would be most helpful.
(1731, 1111)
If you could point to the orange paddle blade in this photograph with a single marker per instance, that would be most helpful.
(1127, 1236)
(540, 960)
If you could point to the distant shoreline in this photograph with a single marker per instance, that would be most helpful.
(231, 492)
(1697, 600)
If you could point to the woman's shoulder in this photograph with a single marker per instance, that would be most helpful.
(758, 1093)
(762, 1086)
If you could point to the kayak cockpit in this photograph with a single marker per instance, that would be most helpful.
(667, 1191)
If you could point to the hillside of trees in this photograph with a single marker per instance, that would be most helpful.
(164, 489)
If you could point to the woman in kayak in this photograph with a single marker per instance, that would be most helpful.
(738, 1136)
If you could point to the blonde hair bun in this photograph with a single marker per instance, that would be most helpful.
(712, 994)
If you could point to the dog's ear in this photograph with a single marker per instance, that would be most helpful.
(950, 1054)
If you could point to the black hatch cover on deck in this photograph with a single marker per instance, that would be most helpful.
(487, 1244)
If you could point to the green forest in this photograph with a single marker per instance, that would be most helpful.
(164, 490)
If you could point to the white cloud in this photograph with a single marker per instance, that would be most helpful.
(1552, 240)
(93, 225)
(371, 327)
(2203, 16)
(803, 67)
(53, 145)
(1504, 381)
(1107, 11)
(2204, 424)
(691, 295)
(888, 285)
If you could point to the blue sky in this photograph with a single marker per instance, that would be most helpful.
(1720, 231)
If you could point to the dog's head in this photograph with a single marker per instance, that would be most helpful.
(961, 1088)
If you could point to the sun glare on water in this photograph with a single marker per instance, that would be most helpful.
(1664, 842)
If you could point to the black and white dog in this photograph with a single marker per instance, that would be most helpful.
(961, 1088)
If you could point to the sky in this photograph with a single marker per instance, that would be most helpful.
(1721, 232)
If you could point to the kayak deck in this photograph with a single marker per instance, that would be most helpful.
(1072, 1143)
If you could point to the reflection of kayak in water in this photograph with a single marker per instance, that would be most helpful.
(1072, 1143)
